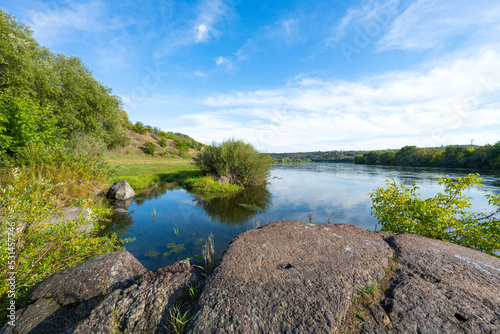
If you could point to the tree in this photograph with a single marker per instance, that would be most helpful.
(445, 216)
(237, 160)
(59, 87)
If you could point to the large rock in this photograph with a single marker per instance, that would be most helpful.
(64, 299)
(443, 288)
(89, 279)
(144, 307)
(120, 190)
(290, 277)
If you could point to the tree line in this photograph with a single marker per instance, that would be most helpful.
(478, 157)
(318, 156)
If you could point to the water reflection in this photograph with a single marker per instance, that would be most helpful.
(170, 224)
(236, 209)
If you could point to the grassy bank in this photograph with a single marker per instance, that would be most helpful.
(142, 172)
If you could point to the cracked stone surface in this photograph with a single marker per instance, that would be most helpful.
(443, 288)
(290, 277)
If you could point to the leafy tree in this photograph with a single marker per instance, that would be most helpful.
(55, 87)
(139, 127)
(445, 216)
(23, 122)
(237, 160)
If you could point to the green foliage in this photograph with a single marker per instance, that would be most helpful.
(208, 185)
(292, 160)
(36, 190)
(162, 142)
(140, 128)
(181, 147)
(445, 216)
(149, 148)
(482, 157)
(235, 159)
(58, 91)
(23, 122)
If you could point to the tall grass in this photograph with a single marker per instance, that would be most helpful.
(34, 186)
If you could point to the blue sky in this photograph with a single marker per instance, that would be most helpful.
(291, 75)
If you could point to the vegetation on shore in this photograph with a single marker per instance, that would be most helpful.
(236, 161)
(480, 157)
(446, 216)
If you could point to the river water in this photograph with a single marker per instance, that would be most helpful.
(170, 224)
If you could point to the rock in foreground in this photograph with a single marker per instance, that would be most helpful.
(443, 288)
(102, 295)
(290, 277)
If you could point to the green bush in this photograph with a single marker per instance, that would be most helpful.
(140, 128)
(149, 148)
(163, 142)
(236, 159)
(445, 216)
(181, 147)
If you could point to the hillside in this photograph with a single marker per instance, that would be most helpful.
(137, 146)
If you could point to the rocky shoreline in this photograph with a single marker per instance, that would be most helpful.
(285, 277)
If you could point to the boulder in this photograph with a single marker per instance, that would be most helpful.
(64, 299)
(290, 276)
(120, 190)
(144, 307)
(443, 288)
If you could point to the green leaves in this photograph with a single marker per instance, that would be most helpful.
(235, 159)
(44, 95)
(446, 216)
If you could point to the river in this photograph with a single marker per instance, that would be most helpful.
(170, 224)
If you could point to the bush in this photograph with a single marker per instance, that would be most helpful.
(149, 148)
(236, 160)
(162, 142)
(181, 147)
(445, 216)
(140, 128)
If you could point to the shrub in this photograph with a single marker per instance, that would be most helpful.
(237, 160)
(140, 128)
(162, 142)
(445, 216)
(181, 147)
(149, 148)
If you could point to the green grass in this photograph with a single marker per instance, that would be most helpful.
(143, 172)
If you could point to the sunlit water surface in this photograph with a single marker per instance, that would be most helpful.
(170, 224)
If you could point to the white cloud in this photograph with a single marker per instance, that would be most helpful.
(201, 33)
(370, 13)
(224, 62)
(51, 23)
(436, 104)
(430, 24)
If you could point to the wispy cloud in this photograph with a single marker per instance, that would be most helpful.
(195, 25)
(223, 62)
(435, 104)
(369, 13)
(433, 24)
(55, 23)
